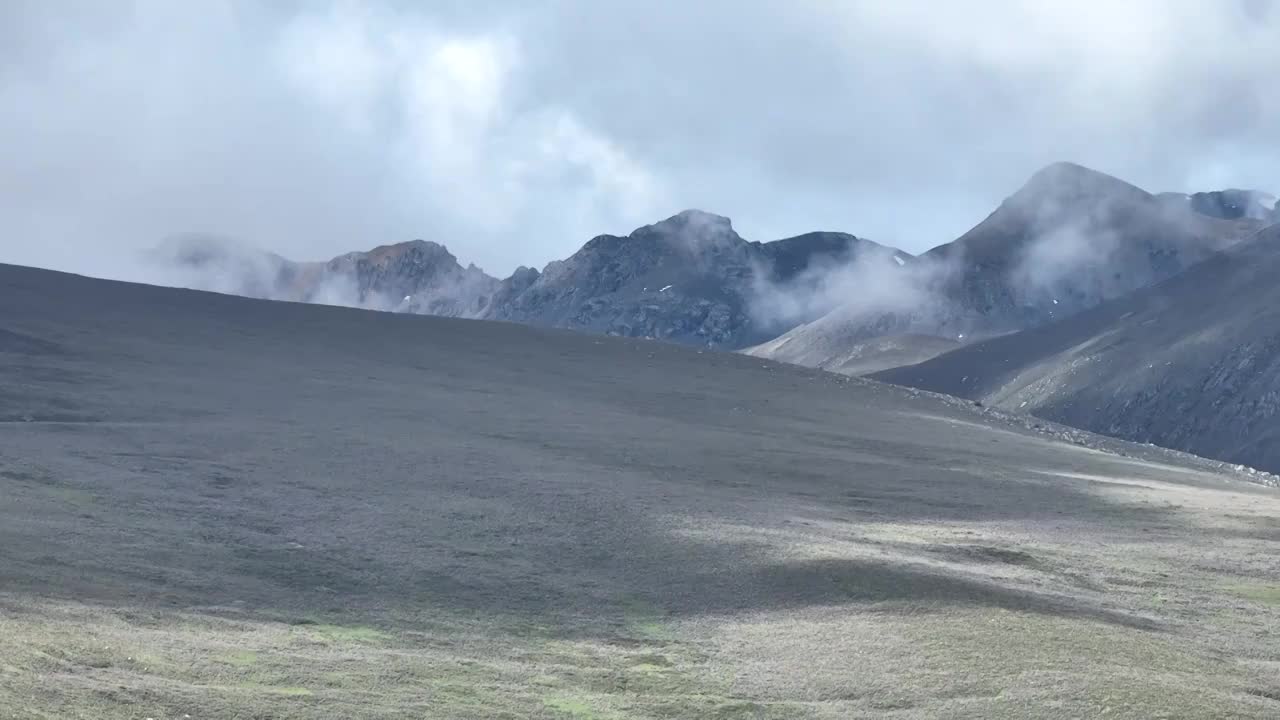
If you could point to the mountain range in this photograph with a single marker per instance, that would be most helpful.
(690, 279)
(1068, 240)
(1082, 299)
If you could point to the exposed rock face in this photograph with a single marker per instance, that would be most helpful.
(419, 277)
(1070, 239)
(1192, 363)
(666, 280)
(690, 279)
(1231, 204)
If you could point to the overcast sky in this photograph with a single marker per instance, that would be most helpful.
(514, 131)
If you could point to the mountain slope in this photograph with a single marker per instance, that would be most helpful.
(692, 279)
(836, 354)
(1068, 240)
(1192, 363)
(222, 507)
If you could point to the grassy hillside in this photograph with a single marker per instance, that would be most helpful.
(216, 507)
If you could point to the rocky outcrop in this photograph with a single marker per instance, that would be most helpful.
(691, 279)
(418, 277)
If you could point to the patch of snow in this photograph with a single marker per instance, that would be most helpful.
(1055, 301)
(665, 289)
(899, 260)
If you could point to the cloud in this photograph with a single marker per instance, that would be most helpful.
(306, 134)
(865, 281)
(513, 132)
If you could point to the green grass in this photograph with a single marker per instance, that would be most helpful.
(573, 707)
(285, 690)
(72, 496)
(289, 691)
(348, 634)
(1265, 594)
(241, 659)
(644, 621)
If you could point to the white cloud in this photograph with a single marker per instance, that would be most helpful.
(514, 132)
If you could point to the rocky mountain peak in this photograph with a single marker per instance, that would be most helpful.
(420, 252)
(1065, 181)
(700, 219)
(694, 229)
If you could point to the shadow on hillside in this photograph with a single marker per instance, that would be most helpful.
(899, 587)
(584, 574)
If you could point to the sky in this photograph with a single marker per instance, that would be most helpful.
(513, 132)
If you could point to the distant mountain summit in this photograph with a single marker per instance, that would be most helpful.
(1068, 240)
(419, 276)
(689, 278)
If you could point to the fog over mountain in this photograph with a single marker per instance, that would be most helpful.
(1189, 364)
(512, 133)
(1068, 240)
(690, 278)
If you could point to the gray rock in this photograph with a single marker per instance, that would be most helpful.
(690, 279)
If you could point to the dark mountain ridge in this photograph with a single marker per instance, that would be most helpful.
(1192, 363)
(1069, 239)
(690, 278)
